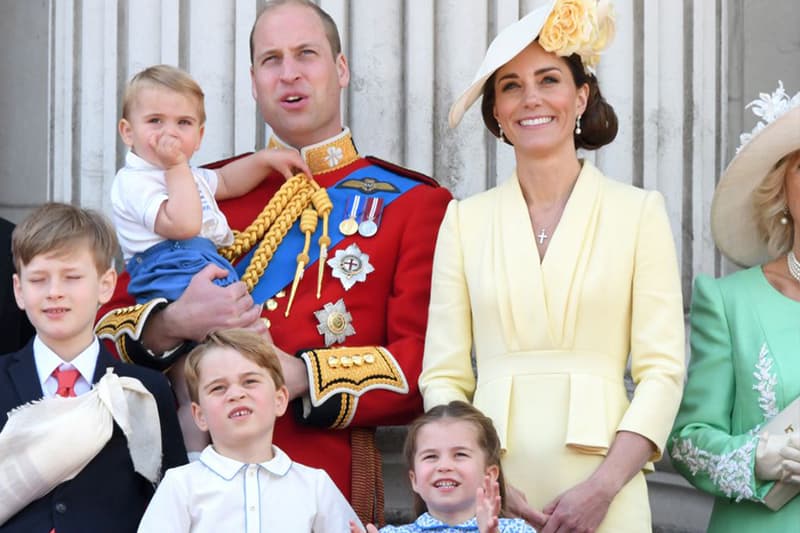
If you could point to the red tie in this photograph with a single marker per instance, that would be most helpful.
(66, 381)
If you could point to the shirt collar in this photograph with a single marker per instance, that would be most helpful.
(326, 156)
(135, 162)
(47, 360)
(426, 522)
(227, 468)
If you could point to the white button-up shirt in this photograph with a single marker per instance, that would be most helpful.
(47, 361)
(216, 493)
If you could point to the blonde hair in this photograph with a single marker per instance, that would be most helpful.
(488, 441)
(167, 77)
(769, 201)
(247, 343)
(58, 227)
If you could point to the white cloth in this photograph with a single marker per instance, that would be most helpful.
(217, 493)
(137, 193)
(50, 441)
(47, 361)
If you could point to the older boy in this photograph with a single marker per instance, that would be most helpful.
(242, 482)
(63, 256)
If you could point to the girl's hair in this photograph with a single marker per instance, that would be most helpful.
(769, 201)
(488, 441)
(598, 123)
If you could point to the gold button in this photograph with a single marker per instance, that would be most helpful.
(333, 362)
(358, 360)
(266, 322)
(346, 361)
(280, 294)
(369, 358)
(272, 304)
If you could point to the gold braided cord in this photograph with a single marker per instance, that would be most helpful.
(246, 239)
(275, 234)
(308, 224)
(323, 205)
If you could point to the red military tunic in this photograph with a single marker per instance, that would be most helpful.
(375, 383)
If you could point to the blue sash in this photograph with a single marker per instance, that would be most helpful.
(281, 269)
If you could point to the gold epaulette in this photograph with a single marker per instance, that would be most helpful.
(126, 321)
(351, 372)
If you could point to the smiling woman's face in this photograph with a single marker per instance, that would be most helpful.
(536, 101)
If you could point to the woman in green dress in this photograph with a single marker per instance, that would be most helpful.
(745, 337)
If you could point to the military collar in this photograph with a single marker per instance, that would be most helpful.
(326, 156)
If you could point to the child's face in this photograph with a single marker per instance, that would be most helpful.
(60, 291)
(157, 112)
(238, 404)
(449, 466)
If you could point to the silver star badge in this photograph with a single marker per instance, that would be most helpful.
(350, 266)
(335, 322)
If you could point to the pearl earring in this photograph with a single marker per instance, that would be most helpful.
(578, 125)
(502, 135)
(785, 217)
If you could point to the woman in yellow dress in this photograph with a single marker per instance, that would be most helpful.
(554, 278)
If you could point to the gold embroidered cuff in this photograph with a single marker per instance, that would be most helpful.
(126, 321)
(353, 371)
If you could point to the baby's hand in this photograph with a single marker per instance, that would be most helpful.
(167, 149)
(287, 162)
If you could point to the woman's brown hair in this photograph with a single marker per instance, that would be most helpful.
(598, 123)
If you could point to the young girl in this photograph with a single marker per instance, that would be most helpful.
(453, 455)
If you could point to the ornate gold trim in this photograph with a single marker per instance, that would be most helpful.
(326, 156)
(352, 370)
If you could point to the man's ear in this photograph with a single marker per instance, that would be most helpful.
(343, 70)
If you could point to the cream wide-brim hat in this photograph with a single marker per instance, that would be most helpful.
(508, 43)
(734, 221)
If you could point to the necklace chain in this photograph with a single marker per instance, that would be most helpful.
(794, 265)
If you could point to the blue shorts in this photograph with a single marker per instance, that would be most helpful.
(165, 269)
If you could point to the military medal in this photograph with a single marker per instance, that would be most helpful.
(350, 266)
(335, 322)
(349, 225)
(371, 217)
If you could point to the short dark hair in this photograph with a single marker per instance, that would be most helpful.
(331, 31)
(598, 123)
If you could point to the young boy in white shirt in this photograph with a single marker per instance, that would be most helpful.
(242, 482)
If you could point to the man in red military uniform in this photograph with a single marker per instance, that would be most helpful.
(350, 333)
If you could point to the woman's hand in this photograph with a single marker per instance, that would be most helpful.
(517, 505)
(580, 509)
(487, 506)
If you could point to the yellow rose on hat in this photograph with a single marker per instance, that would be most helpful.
(568, 28)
